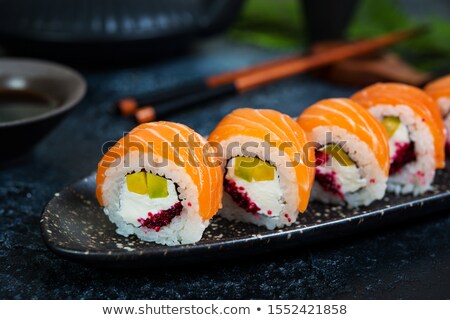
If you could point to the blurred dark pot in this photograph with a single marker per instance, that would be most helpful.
(328, 19)
(105, 29)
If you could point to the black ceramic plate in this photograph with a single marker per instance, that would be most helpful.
(75, 227)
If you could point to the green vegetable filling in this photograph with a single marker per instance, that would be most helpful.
(391, 125)
(250, 169)
(340, 155)
(147, 183)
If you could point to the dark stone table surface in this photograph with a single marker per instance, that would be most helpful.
(405, 261)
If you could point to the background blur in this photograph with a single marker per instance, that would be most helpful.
(281, 24)
(128, 48)
(114, 29)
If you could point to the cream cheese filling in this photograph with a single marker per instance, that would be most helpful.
(134, 206)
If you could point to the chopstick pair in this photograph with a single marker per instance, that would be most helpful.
(163, 103)
(171, 100)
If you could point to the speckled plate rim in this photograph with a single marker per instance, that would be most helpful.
(301, 236)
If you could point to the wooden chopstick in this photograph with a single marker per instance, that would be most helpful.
(228, 77)
(302, 64)
(129, 105)
(254, 77)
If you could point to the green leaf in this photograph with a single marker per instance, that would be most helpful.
(279, 25)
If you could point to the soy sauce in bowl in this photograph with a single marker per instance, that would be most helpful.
(35, 95)
(23, 104)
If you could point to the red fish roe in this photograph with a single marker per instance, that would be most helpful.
(372, 180)
(404, 154)
(328, 182)
(189, 204)
(162, 218)
(287, 217)
(241, 198)
(269, 212)
(321, 158)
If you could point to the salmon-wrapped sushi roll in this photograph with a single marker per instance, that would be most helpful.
(415, 130)
(439, 90)
(352, 152)
(267, 177)
(155, 183)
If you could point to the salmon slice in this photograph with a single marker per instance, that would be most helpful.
(420, 103)
(157, 139)
(348, 115)
(284, 134)
(439, 88)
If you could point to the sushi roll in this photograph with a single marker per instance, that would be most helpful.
(352, 152)
(415, 130)
(439, 90)
(267, 179)
(156, 184)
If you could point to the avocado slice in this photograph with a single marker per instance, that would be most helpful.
(263, 171)
(250, 169)
(137, 182)
(243, 168)
(391, 125)
(156, 186)
(340, 155)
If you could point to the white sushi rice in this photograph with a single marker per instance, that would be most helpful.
(371, 181)
(415, 177)
(444, 105)
(186, 228)
(287, 185)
